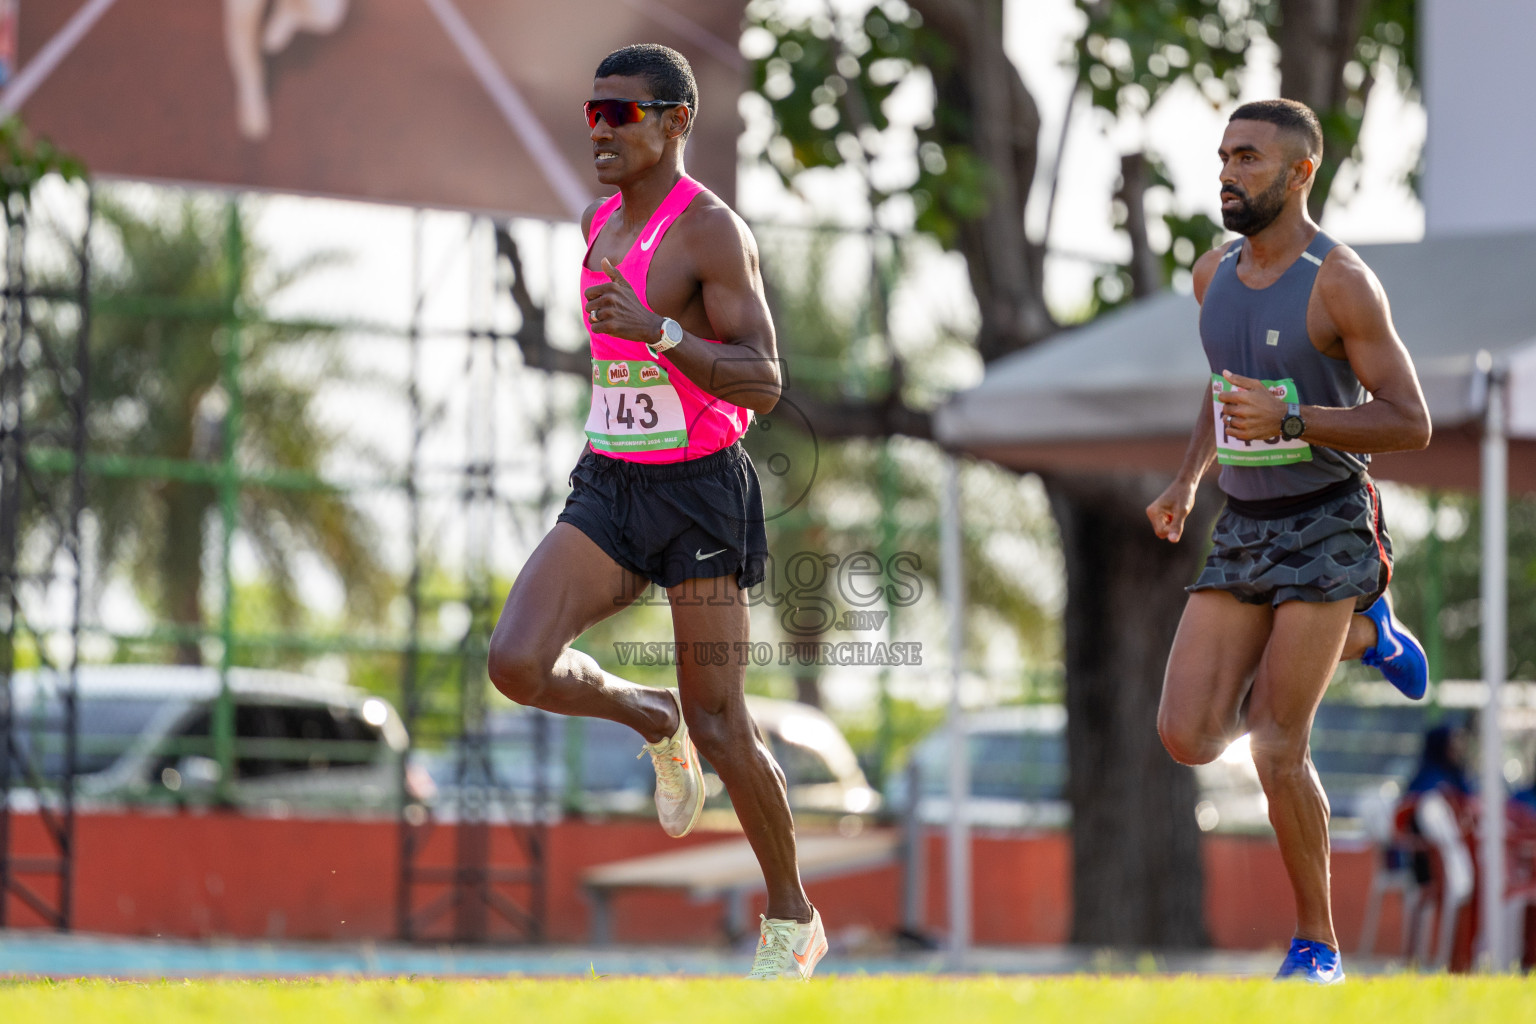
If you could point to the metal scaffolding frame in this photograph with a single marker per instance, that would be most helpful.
(473, 891)
(24, 498)
(492, 889)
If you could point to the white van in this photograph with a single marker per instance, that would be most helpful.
(144, 734)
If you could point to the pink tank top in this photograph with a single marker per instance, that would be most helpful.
(644, 409)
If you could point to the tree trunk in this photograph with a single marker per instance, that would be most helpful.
(1146, 272)
(186, 510)
(808, 685)
(988, 110)
(1136, 857)
(1317, 39)
(1136, 872)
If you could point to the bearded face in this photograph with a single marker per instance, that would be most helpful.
(1251, 214)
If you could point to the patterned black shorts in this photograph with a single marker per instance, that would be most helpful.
(1336, 551)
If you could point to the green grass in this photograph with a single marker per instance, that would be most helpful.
(1076, 1000)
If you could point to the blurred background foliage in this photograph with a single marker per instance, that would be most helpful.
(179, 292)
(1436, 584)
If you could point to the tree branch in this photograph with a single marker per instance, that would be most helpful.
(532, 337)
(991, 113)
(834, 421)
(1146, 274)
(1317, 39)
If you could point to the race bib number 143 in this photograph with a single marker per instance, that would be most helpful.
(634, 408)
(1272, 451)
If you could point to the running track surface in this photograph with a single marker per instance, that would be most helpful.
(35, 953)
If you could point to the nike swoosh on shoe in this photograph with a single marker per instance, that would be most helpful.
(811, 954)
(1397, 646)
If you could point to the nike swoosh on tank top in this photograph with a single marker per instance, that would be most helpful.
(644, 409)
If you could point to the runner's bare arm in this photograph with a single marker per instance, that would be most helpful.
(745, 370)
(741, 366)
(1358, 314)
(587, 215)
(1173, 506)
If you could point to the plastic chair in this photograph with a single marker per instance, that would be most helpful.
(1520, 887)
(1437, 824)
(1394, 874)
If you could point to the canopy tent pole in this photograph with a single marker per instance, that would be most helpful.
(959, 832)
(1495, 610)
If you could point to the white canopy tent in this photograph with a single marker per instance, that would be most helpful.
(1121, 395)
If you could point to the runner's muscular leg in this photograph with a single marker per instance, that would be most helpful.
(1298, 663)
(568, 585)
(714, 613)
(1215, 653)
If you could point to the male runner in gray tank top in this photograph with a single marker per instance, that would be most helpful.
(1308, 378)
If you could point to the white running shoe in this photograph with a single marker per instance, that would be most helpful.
(679, 779)
(789, 949)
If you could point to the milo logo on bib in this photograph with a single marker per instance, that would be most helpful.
(1271, 451)
(634, 408)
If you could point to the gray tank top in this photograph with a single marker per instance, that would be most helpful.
(1262, 333)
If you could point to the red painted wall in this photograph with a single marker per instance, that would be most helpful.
(215, 875)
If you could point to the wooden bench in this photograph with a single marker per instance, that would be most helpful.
(729, 870)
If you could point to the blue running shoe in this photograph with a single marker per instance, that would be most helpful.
(1313, 962)
(1398, 653)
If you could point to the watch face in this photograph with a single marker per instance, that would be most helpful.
(1292, 426)
(672, 330)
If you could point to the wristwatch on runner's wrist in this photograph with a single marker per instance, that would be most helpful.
(1293, 425)
(671, 334)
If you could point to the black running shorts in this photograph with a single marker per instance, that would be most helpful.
(1332, 552)
(675, 521)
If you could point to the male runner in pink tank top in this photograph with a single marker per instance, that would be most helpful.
(683, 354)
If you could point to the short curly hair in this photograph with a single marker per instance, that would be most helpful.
(1289, 116)
(666, 71)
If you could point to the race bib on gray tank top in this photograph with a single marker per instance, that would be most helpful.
(1262, 333)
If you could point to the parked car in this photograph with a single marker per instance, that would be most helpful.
(589, 765)
(1364, 752)
(1018, 763)
(145, 734)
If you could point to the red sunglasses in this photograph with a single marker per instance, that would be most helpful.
(621, 112)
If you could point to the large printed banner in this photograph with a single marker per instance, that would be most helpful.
(472, 104)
